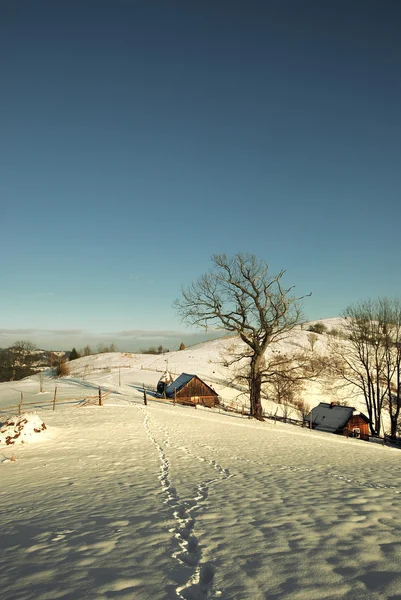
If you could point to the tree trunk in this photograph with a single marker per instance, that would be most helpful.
(255, 385)
(394, 402)
(394, 408)
(394, 423)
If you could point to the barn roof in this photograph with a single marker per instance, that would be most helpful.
(361, 415)
(330, 417)
(181, 382)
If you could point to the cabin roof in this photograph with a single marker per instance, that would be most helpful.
(330, 417)
(361, 415)
(181, 382)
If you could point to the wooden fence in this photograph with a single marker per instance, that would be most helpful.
(83, 401)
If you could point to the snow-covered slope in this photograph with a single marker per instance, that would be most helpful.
(159, 502)
(125, 373)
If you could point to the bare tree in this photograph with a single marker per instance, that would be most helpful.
(312, 339)
(370, 359)
(284, 383)
(284, 377)
(303, 409)
(239, 295)
(23, 356)
(390, 316)
(103, 349)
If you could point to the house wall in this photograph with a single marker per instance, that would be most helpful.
(196, 392)
(357, 421)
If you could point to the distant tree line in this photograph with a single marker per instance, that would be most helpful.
(87, 351)
(154, 350)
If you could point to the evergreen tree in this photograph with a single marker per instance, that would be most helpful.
(74, 354)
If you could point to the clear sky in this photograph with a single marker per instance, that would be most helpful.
(139, 137)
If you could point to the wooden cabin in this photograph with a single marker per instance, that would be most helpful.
(190, 389)
(357, 426)
(334, 418)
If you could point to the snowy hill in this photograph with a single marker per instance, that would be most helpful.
(124, 373)
(162, 502)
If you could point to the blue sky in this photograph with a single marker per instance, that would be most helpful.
(139, 137)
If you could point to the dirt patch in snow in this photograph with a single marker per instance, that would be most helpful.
(21, 429)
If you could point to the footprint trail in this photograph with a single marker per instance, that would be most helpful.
(199, 575)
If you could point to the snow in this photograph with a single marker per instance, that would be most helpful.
(160, 501)
(21, 429)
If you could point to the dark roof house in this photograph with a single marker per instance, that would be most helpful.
(190, 389)
(334, 418)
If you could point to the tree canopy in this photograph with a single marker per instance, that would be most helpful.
(240, 295)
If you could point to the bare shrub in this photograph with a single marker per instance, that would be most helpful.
(318, 328)
(62, 368)
(303, 408)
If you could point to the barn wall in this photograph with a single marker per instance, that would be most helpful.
(195, 387)
(357, 421)
(197, 392)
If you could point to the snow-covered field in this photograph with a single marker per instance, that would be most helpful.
(161, 501)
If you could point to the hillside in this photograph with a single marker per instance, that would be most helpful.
(125, 374)
(160, 502)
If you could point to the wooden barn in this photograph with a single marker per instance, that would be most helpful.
(190, 389)
(357, 426)
(334, 418)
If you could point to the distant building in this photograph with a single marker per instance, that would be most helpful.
(190, 389)
(334, 418)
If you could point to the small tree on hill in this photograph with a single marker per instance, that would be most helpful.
(318, 328)
(182, 346)
(74, 354)
(239, 295)
(312, 339)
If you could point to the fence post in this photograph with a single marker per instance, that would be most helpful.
(100, 398)
(310, 421)
(175, 396)
(20, 403)
(54, 398)
(145, 400)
